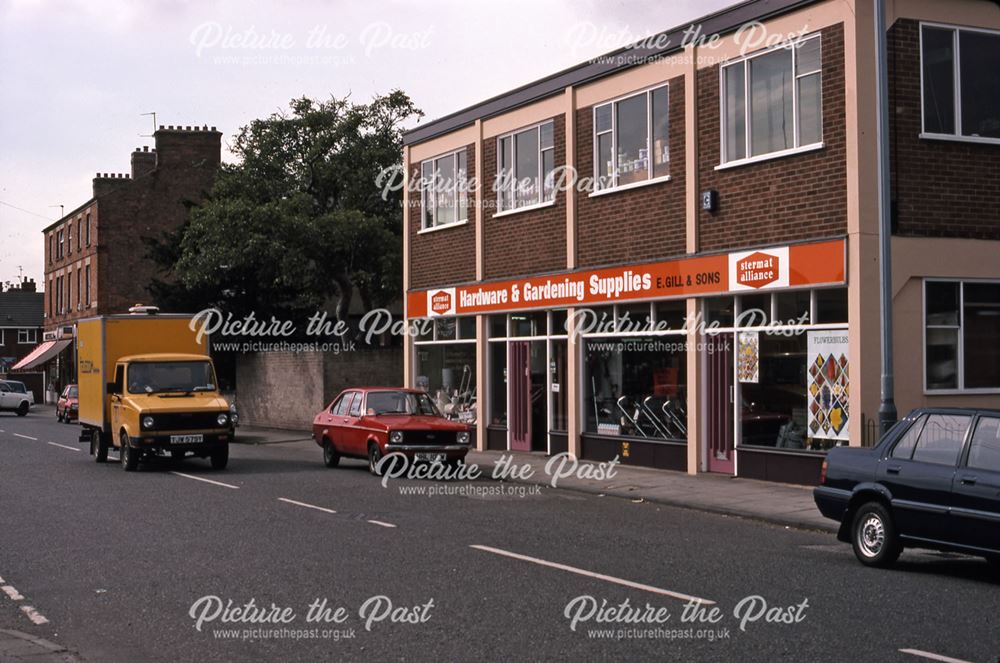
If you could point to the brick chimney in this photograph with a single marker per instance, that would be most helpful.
(143, 161)
(188, 147)
(28, 285)
(106, 182)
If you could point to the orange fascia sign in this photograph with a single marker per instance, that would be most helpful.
(794, 266)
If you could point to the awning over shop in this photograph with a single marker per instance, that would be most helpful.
(42, 354)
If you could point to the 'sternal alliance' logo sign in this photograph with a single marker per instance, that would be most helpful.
(441, 302)
(754, 270)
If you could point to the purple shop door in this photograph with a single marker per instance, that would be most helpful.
(519, 401)
(719, 379)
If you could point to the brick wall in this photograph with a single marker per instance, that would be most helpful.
(634, 225)
(544, 230)
(940, 188)
(444, 256)
(780, 200)
(286, 389)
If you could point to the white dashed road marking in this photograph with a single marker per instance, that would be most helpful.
(308, 506)
(214, 483)
(932, 656)
(380, 523)
(591, 574)
(63, 446)
(12, 593)
(27, 437)
(36, 617)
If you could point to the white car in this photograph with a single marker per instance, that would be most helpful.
(13, 399)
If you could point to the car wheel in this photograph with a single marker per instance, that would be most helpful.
(220, 457)
(22, 409)
(129, 456)
(98, 447)
(873, 536)
(330, 456)
(374, 456)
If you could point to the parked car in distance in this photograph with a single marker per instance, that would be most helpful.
(932, 481)
(372, 422)
(13, 399)
(68, 405)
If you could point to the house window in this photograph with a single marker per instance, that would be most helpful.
(52, 247)
(86, 300)
(443, 191)
(60, 236)
(627, 133)
(27, 336)
(52, 297)
(79, 290)
(773, 101)
(961, 95)
(525, 167)
(88, 228)
(79, 235)
(961, 325)
(69, 237)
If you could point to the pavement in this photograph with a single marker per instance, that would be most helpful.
(778, 503)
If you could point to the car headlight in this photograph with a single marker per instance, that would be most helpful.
(147, 422)
(463, 437)
(222, 419)
(396, 437)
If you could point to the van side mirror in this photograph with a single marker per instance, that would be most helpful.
(113, 388)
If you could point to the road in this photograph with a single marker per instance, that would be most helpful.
(112, 564)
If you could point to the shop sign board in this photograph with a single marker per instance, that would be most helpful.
(799, 265)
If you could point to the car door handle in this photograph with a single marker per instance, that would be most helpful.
(893, 469)
(969, 481)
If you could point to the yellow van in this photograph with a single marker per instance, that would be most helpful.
(147, 387)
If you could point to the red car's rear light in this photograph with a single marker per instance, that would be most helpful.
(822, 473)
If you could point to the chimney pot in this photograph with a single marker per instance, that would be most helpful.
(145, 148)
(161, 127)
(187, 128)
(213, 128)
(170, 127)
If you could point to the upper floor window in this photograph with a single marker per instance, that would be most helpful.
(60, 244)
(525, 167)
(69, 237)
(79, 235)
(52, 247)
(443, 191)
(773, 101)
(88, 228)
(27, 336)
(962, 323)
(960, 82)
(631, 139)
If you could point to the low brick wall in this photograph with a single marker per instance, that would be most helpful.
(286, 389)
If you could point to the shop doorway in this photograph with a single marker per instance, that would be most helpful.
(720, 395)
(527, 402)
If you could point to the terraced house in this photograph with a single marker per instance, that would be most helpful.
(731, 180)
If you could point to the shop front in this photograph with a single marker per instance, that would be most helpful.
(731, 363)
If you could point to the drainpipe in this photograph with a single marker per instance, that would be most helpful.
(887, 405)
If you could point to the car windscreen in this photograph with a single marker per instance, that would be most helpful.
(17, 386)
(155, 377)
(400, 402)
(72, 393)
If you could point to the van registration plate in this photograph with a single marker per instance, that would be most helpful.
(187, 439)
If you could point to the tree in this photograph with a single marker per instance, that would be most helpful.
(299, 220)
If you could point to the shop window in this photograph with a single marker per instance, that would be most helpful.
(447, 373)
(670, 315)
(962, 324)
(719, 310)
(558, 324)
(525, 167)
(498, 326)
(755, 310)
(772, 102)
(631, 139)
(529, 323)
(445, 329)
(636, 387)
(467, 328)
(792, 308)
(831, 305)
(560, 389)
(443, 191)
(634, 318)
(423, 329)
(960, 66)
(498, 384)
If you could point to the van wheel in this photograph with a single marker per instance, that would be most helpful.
(22, 409)
(330, 456)
(129, 456)
(873, 536)
(220, 457)
(374, 456)
(98, 447)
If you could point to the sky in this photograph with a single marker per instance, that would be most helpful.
(76, 76)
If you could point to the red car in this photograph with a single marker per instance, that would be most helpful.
(372, 422)
(67, 406)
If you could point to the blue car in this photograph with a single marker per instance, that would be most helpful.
(933, 481)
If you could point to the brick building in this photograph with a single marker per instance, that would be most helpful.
(560, 235)
(21, 315)
(96, 260)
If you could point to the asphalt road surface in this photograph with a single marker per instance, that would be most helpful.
(142, 566)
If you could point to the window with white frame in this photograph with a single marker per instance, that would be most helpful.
(961, 326)
(27, 336)
(631, 141)
(525, 167)
(443, 191)
(773, 101)
(961, 95)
